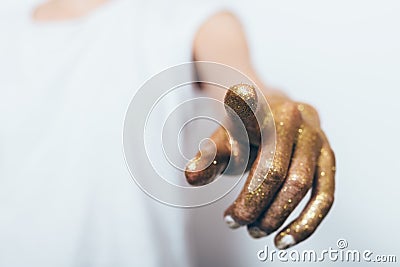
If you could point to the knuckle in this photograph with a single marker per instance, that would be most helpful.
(312, 132)
(300, 183)
(327, 199)
(309, 113)
(308, 107)
(291, 108)
(288, 108)
(330, 155)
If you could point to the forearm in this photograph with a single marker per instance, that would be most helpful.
(221, 39)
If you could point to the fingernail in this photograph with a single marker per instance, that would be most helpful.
(191, 166)
(256, 232)
(285, 242)
(231, 222)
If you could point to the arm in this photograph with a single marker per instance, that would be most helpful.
(222, 39)
(302, 159)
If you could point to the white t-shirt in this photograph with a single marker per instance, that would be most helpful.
(66, 196)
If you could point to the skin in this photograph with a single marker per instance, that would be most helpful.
(303, 159)
(61, 10)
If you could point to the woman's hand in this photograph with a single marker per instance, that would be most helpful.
(302, 159)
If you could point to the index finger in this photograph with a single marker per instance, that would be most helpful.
(229, 143)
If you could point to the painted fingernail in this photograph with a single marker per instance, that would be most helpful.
(256, 232)
(231, 222)
(285, 242)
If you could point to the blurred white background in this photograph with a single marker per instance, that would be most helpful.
(342, 57)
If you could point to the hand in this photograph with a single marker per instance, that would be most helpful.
(303, 159)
